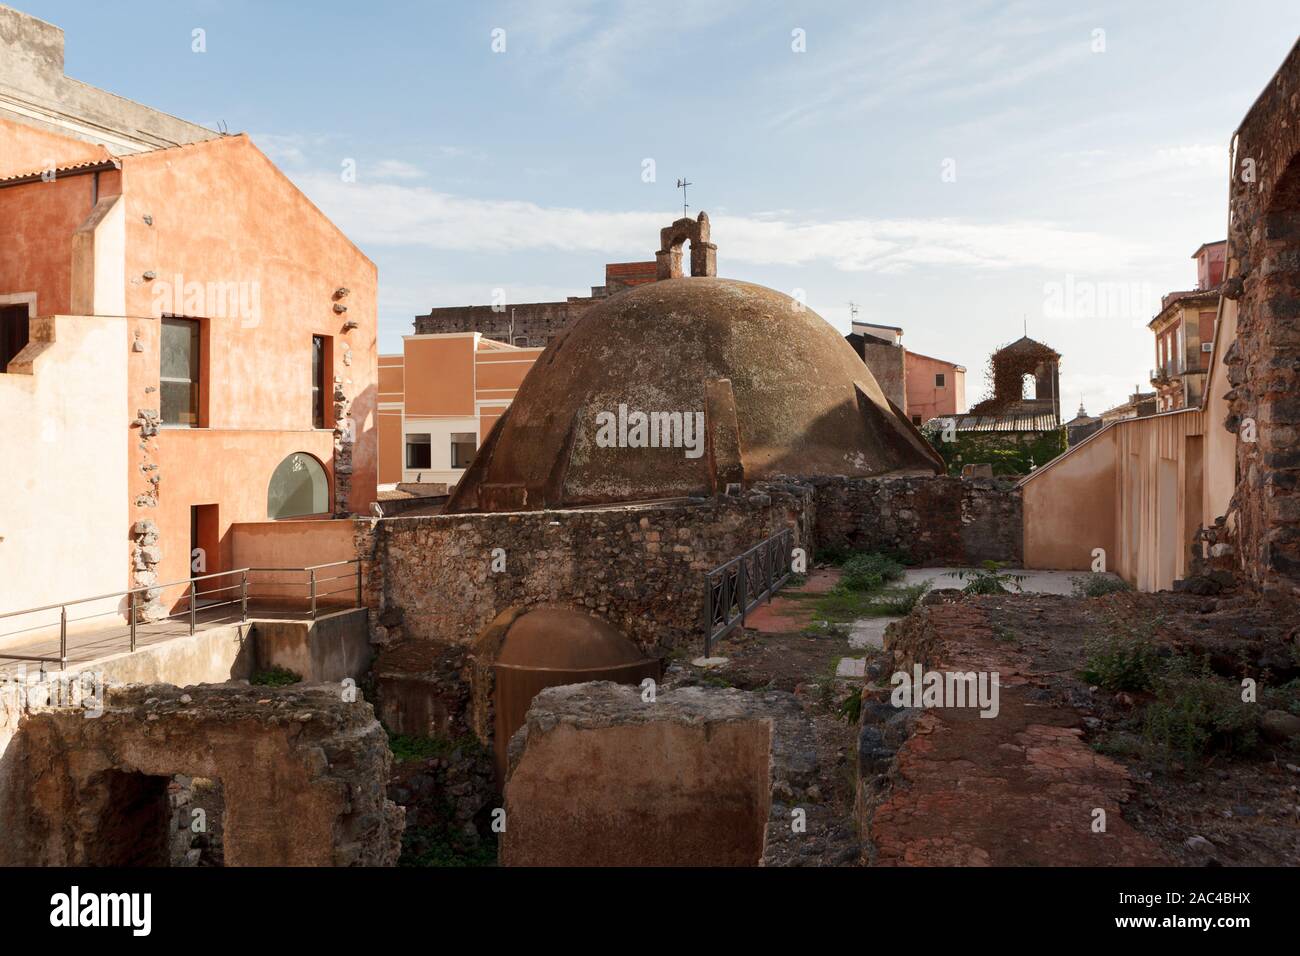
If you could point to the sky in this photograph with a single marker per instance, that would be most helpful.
(966, 171)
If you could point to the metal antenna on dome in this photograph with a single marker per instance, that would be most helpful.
(682, 184)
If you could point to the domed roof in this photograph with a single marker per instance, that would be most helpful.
(551, 638)
(777, 389)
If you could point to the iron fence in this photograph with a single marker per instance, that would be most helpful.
(218, 598)
(734, 589)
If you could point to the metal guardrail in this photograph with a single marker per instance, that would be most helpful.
(317, 583)
(734, 589)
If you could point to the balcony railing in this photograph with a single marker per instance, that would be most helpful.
(222, 597)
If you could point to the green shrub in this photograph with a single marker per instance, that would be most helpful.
(867, 572)
(275, 677)
(1125, 659)
(850, 708)
(1196, 714)
(834, 555)
(412, 747)
(900, 601)
(989, 578)
(1093, 584)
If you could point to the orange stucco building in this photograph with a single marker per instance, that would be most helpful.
(191, 344)
(438, 401)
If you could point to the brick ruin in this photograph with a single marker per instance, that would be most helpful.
(533, 324)
(299, 774)
(431, 589)
(1263, 362)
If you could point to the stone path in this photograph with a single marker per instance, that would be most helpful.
(1018, 789)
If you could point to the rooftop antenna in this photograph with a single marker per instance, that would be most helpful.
(853, 311)
(682, 184)
(1025, 318)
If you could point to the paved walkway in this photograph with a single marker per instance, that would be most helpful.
(115, 637)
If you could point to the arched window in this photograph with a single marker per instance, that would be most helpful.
(298, 487)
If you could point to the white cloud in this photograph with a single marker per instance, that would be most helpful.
(395, 169)
(391, 214)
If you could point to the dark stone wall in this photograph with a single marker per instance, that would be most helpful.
(1264, 361)
(538, 321)
(930, 520)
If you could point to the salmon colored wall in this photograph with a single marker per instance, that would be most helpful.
(923, 398)
(37, 221)
(30, 150)
(291, 544)
(1069, 507)
(440, 377)
(390, 446)
(499, 374)
(390, 378)
(222, 213)
(1135, 488)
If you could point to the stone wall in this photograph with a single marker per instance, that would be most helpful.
(1264, 271)
(442, 578)
(929, 520)
(538, 322)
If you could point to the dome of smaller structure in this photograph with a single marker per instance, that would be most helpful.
(564, 639)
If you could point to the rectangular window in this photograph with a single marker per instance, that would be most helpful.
(419, 451)
(463, 445)
(13, 333)
(179, 372)
(318, 381)
(938, 380)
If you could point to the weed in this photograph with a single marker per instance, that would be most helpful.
(850, 708)
(412, 747)
(275, 677)
(868, 572)
(1196, 713)
(1093, 584)
(989, 578)
(1125, 659)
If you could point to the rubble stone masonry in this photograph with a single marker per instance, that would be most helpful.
(1263, 362)
(929, 520)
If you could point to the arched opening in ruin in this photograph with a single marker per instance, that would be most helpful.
(140, 819)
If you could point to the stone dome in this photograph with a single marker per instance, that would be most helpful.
(778, 389)
(559, 638)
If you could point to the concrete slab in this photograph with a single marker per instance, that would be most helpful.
(851, 667)
(710, 662)
(1036, 582)
(869, 632)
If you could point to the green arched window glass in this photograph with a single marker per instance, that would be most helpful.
(298, 487)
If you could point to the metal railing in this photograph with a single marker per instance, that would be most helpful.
(737, 587)
(315, 588)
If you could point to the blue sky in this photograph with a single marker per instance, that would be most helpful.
(947, 166)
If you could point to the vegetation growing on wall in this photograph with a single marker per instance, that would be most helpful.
(1010, 453)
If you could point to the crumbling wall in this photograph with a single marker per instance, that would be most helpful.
(930, 520)
(1264, 269)
(303, 775)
